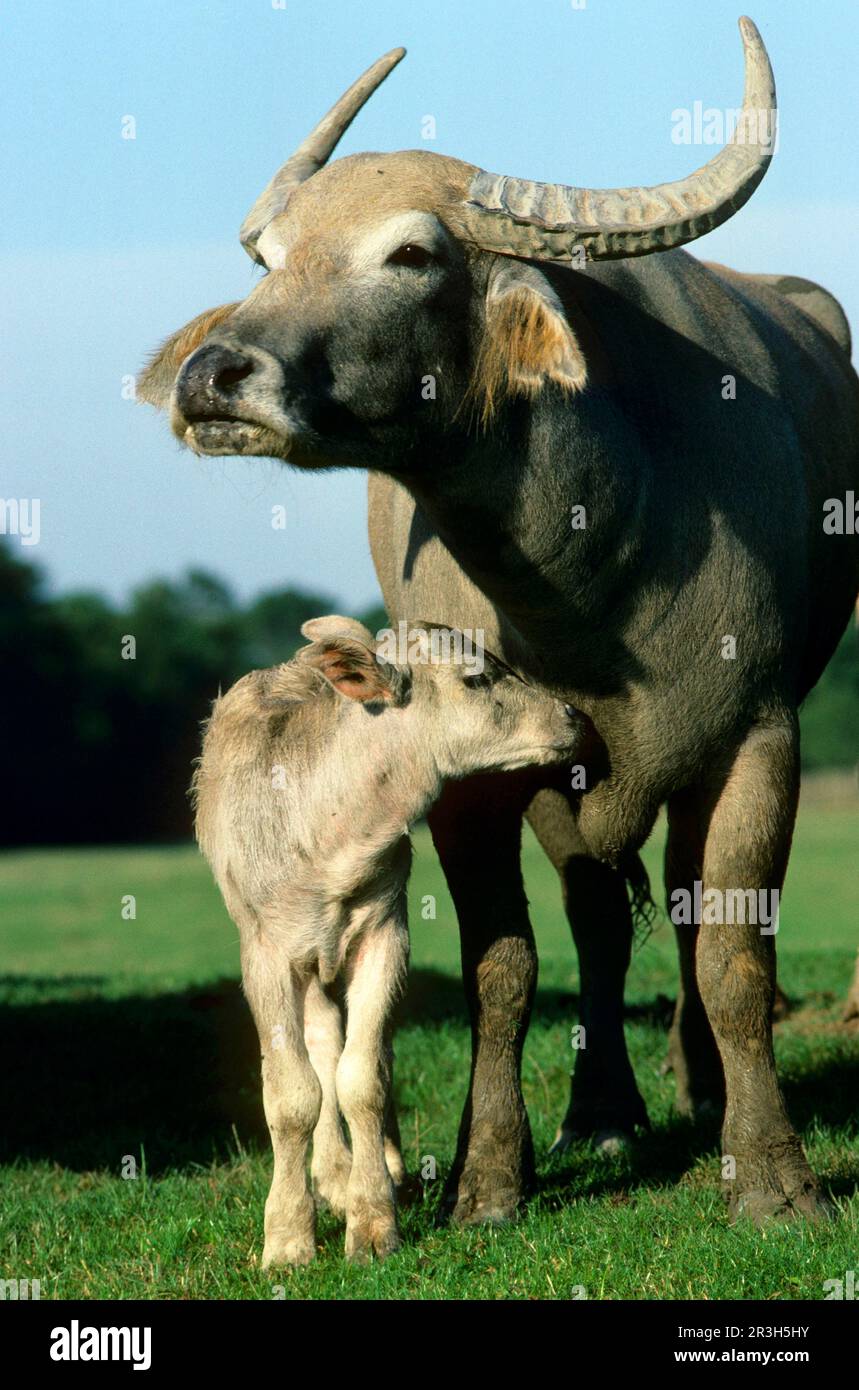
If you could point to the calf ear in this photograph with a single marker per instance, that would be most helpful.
(336, 626)
(528, 339)
(352, 668)
(155, 382)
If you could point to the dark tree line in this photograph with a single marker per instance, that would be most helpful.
(98, 748)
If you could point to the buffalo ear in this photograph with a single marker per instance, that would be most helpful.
(155, 382)
(353, 669)
(527, 341)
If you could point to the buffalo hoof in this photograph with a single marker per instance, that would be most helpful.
(480, 1201)
(761, 1206)
(493, 1213)
(609, 1142)
(611, 1129)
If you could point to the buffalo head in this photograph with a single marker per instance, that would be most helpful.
(403, 295)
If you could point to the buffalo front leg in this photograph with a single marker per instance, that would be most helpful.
(605, 1103)
(476, 827)
(749, 819)
(292, 1097)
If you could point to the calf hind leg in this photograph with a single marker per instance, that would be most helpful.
(331, 1163)
(332, 1158)
(292, 1098)
(375, 975)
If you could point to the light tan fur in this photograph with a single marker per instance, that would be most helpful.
(156, 380)
(310, 775)
(528, 341)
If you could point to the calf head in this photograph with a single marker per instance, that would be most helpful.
(437, 711)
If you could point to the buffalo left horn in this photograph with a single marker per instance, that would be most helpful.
(550, 222)
(313, 152)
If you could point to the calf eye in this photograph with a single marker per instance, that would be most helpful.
(416, 257)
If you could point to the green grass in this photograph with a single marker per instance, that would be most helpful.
(130, 1037)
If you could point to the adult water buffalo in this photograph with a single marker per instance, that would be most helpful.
(496, 354)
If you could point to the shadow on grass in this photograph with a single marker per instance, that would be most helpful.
(85, 1081)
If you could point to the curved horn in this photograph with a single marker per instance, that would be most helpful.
(314, 151)
(546, 221)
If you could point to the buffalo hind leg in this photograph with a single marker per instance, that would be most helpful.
(605, 1103)
(476, 828)
(749, 818)
(693, 1056)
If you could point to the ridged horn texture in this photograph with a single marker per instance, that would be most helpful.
(549, 221)
(314, 151)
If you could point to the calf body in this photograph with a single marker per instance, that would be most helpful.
(310, 775)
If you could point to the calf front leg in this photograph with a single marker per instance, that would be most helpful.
(292, 1097)
(749, 820)
(476, 828)
(375, 976)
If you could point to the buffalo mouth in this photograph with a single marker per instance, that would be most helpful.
(230, 436)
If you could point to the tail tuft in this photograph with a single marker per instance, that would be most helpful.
(644, 909)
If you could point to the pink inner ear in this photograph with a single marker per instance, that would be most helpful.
(365, 684)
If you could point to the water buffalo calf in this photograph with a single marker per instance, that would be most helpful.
(310, 775)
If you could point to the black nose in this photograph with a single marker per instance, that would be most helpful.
(206, 387)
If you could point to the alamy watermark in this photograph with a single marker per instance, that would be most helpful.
(21, 516)
(711, 907)
(448, 646)
(711, 125)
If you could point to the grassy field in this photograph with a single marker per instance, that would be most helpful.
(131, 1038)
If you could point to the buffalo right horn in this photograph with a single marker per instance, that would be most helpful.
(313, 152)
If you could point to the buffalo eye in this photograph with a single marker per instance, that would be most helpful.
(415, 257)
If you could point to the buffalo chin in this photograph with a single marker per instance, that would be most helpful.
(214, 437)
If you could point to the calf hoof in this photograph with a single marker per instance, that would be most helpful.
(379, 1238)
(371, 1229)
(331, 1184)
(288, 1250)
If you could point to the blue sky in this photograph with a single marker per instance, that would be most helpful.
(108, 244)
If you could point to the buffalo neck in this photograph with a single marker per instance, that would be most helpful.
(547, 515)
